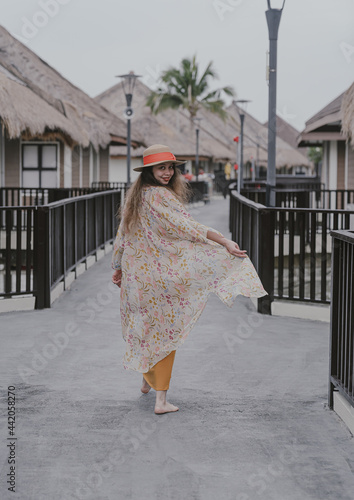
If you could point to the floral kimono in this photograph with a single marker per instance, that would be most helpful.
(169, 268)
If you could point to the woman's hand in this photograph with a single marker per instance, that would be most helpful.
(234, 249)
(230, 245)
(117, 277)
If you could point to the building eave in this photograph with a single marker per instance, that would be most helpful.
(317, 138)
(122, 141)
(325, 120)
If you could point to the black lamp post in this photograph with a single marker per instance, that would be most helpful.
(128, 89)
(257, 158)
(273, 16)
(241, 105)
(197, 123)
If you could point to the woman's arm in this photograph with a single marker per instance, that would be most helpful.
(118, 248)
(117, 277)
(177, 222)
(230, 245)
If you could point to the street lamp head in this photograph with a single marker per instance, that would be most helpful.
(241, 105)
(128, 81)
(241, 102)
(276, 4)
(196, 122)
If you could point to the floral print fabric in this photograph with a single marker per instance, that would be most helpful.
(169, 268)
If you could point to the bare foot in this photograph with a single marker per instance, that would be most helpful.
(145, 388)
(161, 405)
(165, 408)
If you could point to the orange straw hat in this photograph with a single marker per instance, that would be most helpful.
(156, 154)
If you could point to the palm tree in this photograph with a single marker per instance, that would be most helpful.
(184, 89)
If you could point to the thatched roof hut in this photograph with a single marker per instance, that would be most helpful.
(325, 125)
(347, 111)
(332, 128)
(51, 95)
(173, 127)
(255, 138)
(17, 105)
(335, 122)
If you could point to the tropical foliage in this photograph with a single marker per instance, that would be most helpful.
(315, 154)
(183, 87)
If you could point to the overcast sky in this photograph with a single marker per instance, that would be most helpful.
(91, 41)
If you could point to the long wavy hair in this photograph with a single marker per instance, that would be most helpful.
(130, 211)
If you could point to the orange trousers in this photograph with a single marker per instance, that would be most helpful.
(159, 376)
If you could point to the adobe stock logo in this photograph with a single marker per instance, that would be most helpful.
(47, 10)
(223, 7)
(347, 51)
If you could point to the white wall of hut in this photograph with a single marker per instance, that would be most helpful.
(74, 167)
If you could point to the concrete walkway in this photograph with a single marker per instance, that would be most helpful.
(252, 391)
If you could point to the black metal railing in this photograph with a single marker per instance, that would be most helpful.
(105, 185)
(250, 225)
(283, 197)
(294, 245)
(341, 376)
(331, 199)
(221, 184)
(40, 245)
(77, 228)
(288, 182)
(22, 197)
(199, 191)
(17, 250)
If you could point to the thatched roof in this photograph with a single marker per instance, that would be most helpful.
(347, 110)
(288, 133)
(216, 136)
(92, 123)
(329, 114)
(255, 138)
(17, 105)
(171, 127)
(325, 125)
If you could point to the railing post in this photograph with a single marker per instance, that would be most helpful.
(266, 258)
(334, 326)
(41, 274)
(116, 214)
(86, 220)
(64, 241)
(8, 227)
(232, 216)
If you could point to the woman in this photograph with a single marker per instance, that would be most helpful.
(167, 264)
